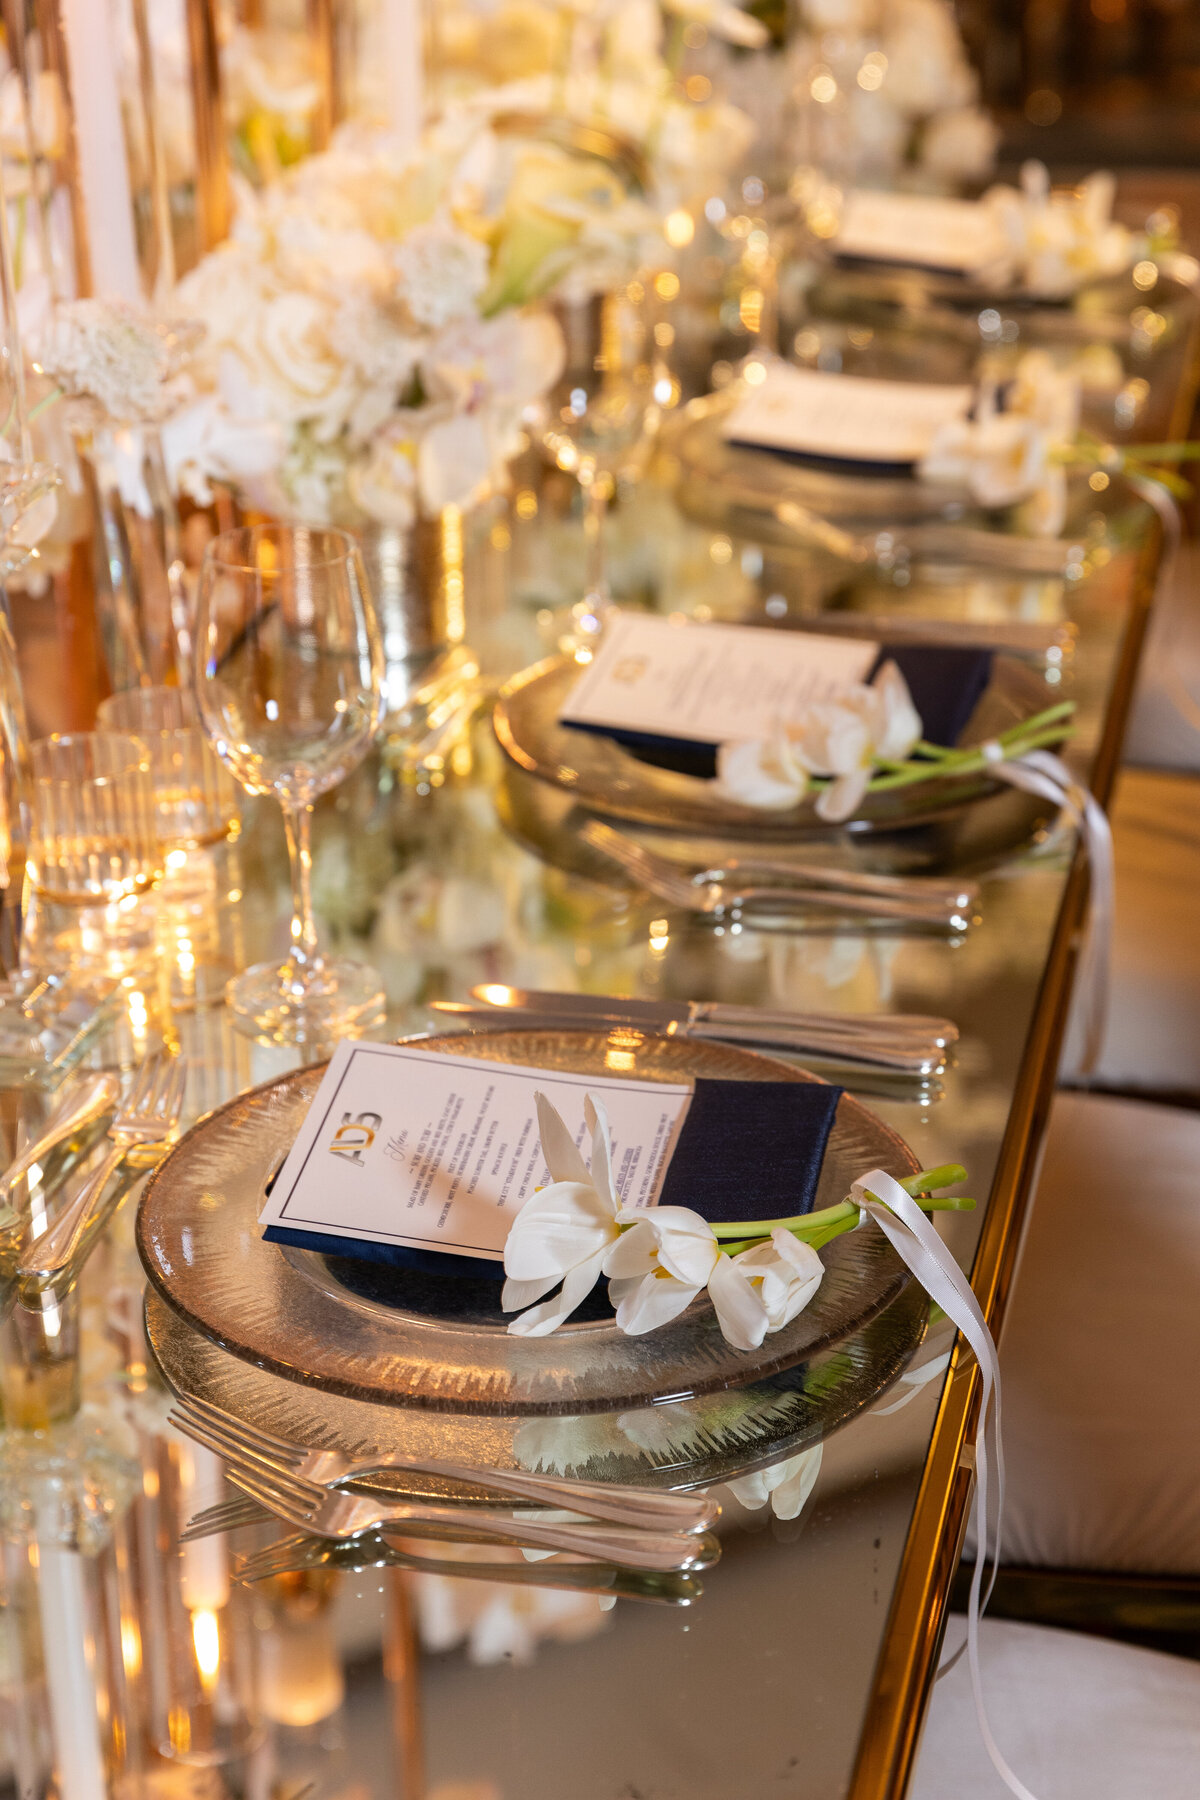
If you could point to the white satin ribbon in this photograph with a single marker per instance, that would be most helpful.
(909, 1231)
(1171, 660)
(1040, 772)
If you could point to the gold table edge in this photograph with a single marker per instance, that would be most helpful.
(904, 1673)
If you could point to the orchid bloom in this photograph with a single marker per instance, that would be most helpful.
(564, 1232)
(659, 1265)
(842, 738)
(762, 1289)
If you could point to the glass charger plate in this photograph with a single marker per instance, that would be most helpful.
(607, 778)
(682, 1444)
(771, 496)
(435, 1341)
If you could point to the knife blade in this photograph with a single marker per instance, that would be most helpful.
(914, 1045)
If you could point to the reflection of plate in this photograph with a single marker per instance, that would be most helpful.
(286, 1310)
(688, 1443)
(608, 778)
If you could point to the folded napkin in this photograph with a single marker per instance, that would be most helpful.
(945, 681)
(747, 1150)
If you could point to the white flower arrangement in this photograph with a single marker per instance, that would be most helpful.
(865, 740)
(758, 1276)
(903, 87)
(372, 329)
(1059, 239)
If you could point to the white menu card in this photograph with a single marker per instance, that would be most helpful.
(847, 417)
(441, 1152)
(923, 230)
(708, 684)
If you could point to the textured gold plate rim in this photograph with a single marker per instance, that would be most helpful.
(193, 1366)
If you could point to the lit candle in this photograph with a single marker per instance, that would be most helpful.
(101, 161)
(404, 70)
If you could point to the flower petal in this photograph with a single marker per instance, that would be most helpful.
(558, 1146)
(541, 1320)
(634, 1253)
(653, 1301)
(597, 1123)
(740, 1312)
(843, 797)
(555, 1229)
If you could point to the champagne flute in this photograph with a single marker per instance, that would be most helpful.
(598, 418)
(289, 668)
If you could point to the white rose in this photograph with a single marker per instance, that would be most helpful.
(442, 272)
(290, 370)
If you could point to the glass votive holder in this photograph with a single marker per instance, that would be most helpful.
(195, 796)
(94, 858)
(197, 820)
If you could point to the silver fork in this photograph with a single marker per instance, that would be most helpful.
(328, 1512)
(149, 1115)
(233, 1438)
(660, 876)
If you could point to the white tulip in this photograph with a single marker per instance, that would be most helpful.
(786, 1486)
(564, 1232)
(659, 1266)
(844, 738)
(762, 1289)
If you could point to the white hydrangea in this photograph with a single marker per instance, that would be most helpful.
(442, 272)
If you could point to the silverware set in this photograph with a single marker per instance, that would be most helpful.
(910, 1043)
(774, 890)
(139, 1126)
(633, 1528)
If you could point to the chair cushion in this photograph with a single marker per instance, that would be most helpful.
(1101, 1345)
(1152, 1040)
(1077, 1718)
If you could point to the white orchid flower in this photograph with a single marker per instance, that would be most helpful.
(762, 1289)
(564, 1232)
(786, 1486)
(659, 1265)
(844, 738)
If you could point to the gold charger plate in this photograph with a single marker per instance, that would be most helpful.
(605, 777)
(430, 1341)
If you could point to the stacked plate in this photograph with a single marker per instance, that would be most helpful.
(341, 1354)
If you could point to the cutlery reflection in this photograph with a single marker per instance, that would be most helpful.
(260, 1451)
(715, 893)
(333, 1513)
(147, 1117)
(80, 1105)
(1051, 642)
(933, 542)
(909, 1042)
(580, 1575)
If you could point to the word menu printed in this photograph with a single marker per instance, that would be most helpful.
(401, 1146)
(708, 684)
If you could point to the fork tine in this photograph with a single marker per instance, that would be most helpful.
(285, 1554)
(170, 1103)
(282, 1505)
(238, 1456)
(252, 1435)
(143, 1086)
(227, 1515)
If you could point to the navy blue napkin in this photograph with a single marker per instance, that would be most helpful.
(945, 682)
(747, 1150)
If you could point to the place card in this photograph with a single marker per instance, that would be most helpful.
(656, 678)
(407, 1149)
(957, 237)
(845, 418)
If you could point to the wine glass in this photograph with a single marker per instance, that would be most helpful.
(598, 418)
(289, 668)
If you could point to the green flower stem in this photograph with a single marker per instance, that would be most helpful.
(740, 1234)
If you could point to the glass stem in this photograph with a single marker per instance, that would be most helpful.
(297, 822)
(595, 502)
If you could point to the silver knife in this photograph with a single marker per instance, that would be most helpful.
(910, 1042)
